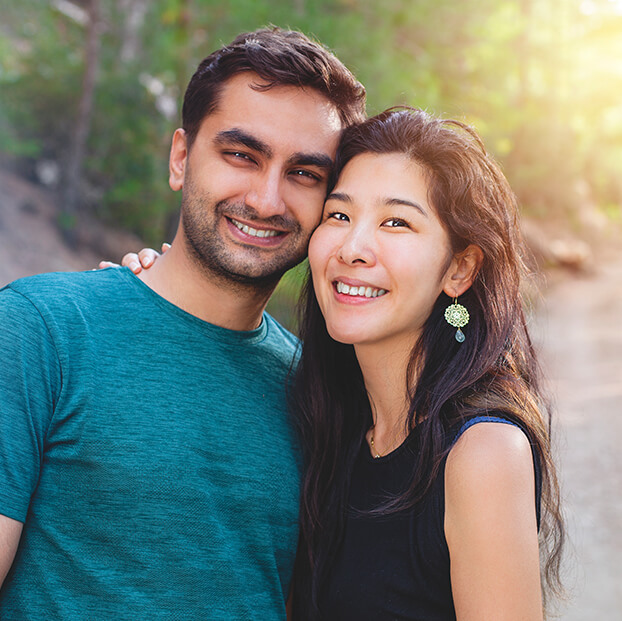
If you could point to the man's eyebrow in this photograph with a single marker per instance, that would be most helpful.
(321, 160)
(239, 137)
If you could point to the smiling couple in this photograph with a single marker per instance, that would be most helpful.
(165, 449)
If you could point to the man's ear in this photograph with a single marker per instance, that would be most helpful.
(177, 160)
(462, 272)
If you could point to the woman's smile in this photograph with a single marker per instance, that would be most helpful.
(347, 288)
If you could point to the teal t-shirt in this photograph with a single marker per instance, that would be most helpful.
(149, 454)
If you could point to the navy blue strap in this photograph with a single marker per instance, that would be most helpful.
(482, 419)
(536, 462)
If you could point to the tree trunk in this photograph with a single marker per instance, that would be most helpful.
(80, 135)
(132, 13)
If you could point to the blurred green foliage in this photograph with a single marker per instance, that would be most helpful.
(541, 81)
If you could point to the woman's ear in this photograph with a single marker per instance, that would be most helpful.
(177, 160)
(463, 269)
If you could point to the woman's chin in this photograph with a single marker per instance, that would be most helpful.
(348, 335)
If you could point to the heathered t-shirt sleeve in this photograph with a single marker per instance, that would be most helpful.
(29, 382)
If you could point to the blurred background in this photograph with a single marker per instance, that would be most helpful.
(90, 94)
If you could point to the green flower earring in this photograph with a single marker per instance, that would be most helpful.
(457, 316)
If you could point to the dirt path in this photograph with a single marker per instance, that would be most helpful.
(581, 335)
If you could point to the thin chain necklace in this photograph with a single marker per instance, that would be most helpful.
(373, 448)
(375, 453)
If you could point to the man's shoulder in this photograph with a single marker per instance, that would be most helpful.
(280, 334)
(55, 287)
(283, 346)
(64, 298)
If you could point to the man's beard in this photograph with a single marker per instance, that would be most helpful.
(252, 266)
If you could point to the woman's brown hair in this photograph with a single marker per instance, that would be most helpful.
(494, 371)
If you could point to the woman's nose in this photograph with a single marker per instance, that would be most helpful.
(357, 248)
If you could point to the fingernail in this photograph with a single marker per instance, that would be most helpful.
(135, 267)
(147, 262)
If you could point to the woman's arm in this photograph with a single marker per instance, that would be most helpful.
(490, 526)
(137, 261)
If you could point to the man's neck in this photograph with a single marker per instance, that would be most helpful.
(178, 279)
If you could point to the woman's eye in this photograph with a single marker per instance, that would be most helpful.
(395, 222)
(337, 215)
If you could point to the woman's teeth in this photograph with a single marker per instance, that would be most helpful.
(363, 292)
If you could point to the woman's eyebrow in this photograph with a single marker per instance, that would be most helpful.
(403, 201)
(339, 196)
(346, 198)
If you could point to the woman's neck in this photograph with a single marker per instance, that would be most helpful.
(384, 371)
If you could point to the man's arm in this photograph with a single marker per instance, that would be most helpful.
(10, 532)
(29, 380)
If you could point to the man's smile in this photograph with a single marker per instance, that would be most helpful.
(255, 231)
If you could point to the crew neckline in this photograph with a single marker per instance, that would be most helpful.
(394, 454)
(215, 331)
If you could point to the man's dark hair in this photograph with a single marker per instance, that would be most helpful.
(279, 58)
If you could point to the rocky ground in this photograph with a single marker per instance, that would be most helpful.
(577, 327)
(30, 241)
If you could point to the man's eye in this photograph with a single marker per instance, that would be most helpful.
(306, 174)
(238, 155)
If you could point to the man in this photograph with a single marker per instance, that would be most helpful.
(147, 465)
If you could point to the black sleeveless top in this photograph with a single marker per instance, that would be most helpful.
(394, 567)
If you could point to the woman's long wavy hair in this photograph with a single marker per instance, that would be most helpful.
(494, 370)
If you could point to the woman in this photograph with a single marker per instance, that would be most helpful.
(428, 468)
(412, 507)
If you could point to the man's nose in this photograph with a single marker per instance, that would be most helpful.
(265, 195)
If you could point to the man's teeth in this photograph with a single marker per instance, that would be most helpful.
(255, 232)
(363, 292)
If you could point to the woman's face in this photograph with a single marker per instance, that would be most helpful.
(380, 258)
